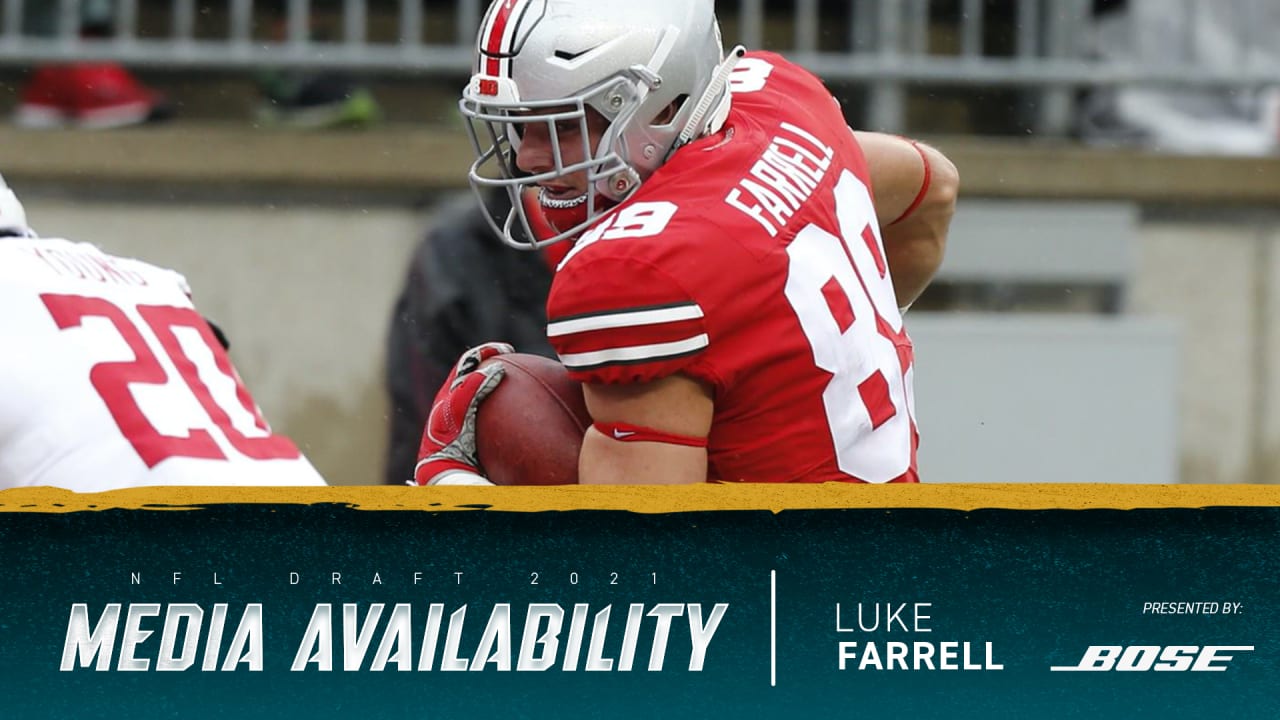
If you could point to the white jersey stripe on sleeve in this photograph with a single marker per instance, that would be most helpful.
(634, 353)
(633, 318)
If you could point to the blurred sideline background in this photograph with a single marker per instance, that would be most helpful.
(1109, 310)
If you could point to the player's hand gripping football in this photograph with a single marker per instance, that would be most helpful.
(447, 455)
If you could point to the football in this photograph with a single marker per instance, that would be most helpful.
(529, 430)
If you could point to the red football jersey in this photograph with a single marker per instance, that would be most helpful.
(752, 261)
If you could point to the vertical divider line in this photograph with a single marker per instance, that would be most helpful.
(773, 628)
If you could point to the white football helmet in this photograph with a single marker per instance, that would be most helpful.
(553, 61)
(13, 218)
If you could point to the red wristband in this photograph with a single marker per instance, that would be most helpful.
(924, 186)
(623, 432)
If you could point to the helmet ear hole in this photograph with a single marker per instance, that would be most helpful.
(670, 112)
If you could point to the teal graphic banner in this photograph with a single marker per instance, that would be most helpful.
(328, 610)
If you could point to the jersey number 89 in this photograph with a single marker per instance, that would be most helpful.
(841, 292)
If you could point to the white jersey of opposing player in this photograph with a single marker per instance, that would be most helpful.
(109, 378)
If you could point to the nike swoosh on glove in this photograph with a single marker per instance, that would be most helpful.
(447, 455)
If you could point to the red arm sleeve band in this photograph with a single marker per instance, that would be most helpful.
(924, 185)
(623, 432)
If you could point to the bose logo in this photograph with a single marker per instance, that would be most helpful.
(1142, 658)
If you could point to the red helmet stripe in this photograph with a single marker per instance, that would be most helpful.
(496, 32)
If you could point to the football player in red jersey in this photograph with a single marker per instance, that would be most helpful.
(732, 299)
